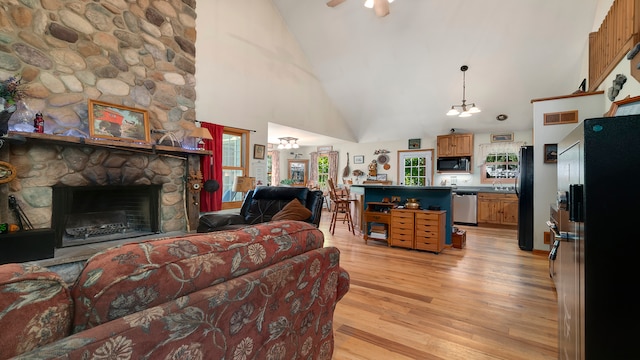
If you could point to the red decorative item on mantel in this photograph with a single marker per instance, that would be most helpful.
(38, 124)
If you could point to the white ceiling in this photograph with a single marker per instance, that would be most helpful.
(395, 77)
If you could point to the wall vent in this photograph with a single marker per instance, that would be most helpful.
(558, 118)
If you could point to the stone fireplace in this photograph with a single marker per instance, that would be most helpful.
(100, 192)
(139, 54)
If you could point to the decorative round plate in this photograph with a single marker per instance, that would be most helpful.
(383, 159)
(387, 166)
(7, 172)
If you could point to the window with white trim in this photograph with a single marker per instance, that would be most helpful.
(415, 168)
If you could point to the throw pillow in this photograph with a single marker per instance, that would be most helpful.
(294, 210)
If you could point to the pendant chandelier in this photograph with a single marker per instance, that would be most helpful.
(288, 143)
(467, 110)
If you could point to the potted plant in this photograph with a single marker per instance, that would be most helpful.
(286, 182)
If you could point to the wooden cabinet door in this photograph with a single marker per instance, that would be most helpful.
(455, 145)
(488, 210)
(510, 210)
(445, 145)
(463, 145)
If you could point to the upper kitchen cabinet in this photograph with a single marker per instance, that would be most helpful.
(455, 145)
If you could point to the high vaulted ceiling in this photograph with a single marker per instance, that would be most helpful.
(395, 77)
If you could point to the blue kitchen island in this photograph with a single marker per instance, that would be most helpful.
(426, 195)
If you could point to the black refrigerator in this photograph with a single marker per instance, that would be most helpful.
(597, 256)
(524, 191)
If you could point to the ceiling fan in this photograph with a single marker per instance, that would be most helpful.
(381, 7)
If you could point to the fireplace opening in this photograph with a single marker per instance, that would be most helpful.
(90, 214)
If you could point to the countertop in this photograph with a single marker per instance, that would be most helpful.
(484, 189)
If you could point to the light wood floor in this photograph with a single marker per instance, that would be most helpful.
(490, 300)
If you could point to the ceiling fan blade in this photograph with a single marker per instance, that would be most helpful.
(332, 3)
(381, 7)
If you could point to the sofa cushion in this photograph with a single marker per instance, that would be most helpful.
(137, 276)
(268, 200)
(35, 308)
(292, 211)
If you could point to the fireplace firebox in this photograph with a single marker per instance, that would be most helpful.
(90, 214)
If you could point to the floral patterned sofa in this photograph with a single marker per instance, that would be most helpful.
(261, 292)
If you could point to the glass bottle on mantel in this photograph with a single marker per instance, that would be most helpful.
(38, 123)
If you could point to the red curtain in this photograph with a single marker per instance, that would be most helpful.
(211, 167)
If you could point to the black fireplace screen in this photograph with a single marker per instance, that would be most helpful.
(89, 214)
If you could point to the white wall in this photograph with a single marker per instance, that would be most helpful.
(368, 149)
(251, 71)
(545, 184)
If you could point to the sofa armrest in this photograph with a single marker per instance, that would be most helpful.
(215, 222)
(315, 200)
(343, 283)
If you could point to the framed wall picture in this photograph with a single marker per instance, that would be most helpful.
(506, 137)
(381, 177)
(550, 153)
(258, 151)
(118, 122)
(626, 106)
(414, 143)
(358, 159)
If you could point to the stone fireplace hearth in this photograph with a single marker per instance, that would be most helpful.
(88, 214)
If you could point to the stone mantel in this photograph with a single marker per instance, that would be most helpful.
(113, 144)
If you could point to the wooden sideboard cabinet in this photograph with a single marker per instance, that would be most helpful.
(455, 145)
(498, 209)
(418, 229)
(377, 214)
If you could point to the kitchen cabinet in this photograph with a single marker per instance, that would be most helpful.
(455, 145)
(498, 209)
(418, 229)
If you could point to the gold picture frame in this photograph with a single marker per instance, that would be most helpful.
(505, 137)
(626, 106)
(258, 151)
(118, 122)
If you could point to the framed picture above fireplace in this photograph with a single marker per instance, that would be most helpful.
(118, 122)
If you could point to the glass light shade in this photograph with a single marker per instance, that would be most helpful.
(474, 109)
(288, 146)
(453, 112)
(280, 146)
(464, 114)
(390, 1)
(295, 145)
(368, 4)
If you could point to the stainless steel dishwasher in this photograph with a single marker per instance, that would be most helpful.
(465, 207)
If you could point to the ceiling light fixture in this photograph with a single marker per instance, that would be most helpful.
(369, 3)
(381, 7)
(288, 143)
(465, 112)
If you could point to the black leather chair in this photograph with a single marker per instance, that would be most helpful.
(260, 205)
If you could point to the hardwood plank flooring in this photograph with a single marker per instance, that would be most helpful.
(490, 300)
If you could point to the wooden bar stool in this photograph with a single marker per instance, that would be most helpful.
(341, 209)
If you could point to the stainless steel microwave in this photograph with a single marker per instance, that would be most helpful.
(454, 164)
